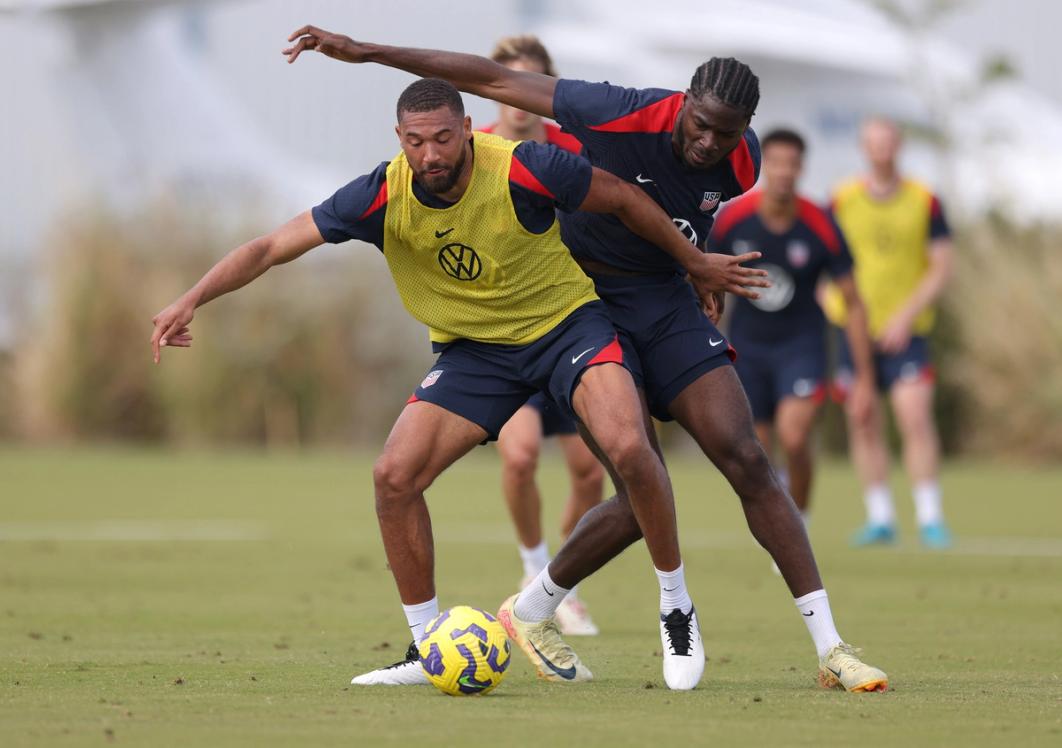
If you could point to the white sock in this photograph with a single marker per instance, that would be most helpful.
(806, 517)
(673, 592)
(535, 559)
(928, 505)
(419, 615)
(815, 608)
(878, 500)
(539, 600)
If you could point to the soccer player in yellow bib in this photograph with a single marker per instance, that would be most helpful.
(467, 226)
(903, 257)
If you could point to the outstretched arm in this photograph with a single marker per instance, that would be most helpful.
(238, 268)
(709, 272)
(532, 92)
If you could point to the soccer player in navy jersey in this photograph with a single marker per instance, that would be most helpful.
(782, 335)
(689, 151)
(520, 440)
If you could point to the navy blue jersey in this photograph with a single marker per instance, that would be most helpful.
(795, 262)
(542, 179)
(628, 132)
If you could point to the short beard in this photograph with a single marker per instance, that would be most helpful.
(442, 184)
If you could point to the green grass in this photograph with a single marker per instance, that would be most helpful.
(252, 640)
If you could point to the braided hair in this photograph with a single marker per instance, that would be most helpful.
(728, 80)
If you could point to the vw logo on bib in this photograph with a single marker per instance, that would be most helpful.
(778, 296)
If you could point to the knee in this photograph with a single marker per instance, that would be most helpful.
(395, 484)
(588, 479)
(794, 444)
(630, 455)
(746, 465)
(520, 464)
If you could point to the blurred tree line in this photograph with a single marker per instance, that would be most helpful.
(318, 351)
(321, 351)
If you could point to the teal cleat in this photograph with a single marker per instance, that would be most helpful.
(936, 537)
(874, 535)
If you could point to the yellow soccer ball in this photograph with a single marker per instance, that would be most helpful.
(465, 651)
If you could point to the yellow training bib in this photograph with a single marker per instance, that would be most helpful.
(889, 240)
(472, 270)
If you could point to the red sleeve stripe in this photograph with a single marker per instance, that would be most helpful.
(735, 213)
(379, 202)
(820, 225)
(564, 140)
(743, 166)
(658, 117)
(934, 207)
(521, 175)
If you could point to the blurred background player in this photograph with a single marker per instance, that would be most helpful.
(781, 336)
(520, 441)
(903, 259)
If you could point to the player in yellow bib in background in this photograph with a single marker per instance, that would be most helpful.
(903, 258)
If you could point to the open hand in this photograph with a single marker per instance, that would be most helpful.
(336, 46)
(725, 273)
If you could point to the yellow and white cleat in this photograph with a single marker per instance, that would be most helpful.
(842, 668)
(553, 658)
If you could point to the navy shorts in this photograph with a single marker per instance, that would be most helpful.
(486, 383)
(667, 340)
(911, 364)
(771, 372)
(554, 422)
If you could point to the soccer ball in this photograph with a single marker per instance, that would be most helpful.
(465, 651)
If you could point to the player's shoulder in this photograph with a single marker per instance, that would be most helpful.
(848, 190)
(736, 214)
(744, 161)
(819, 222)
(608, 108)
(920, 189)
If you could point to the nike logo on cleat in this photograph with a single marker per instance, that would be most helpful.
(835, 672)
(441, 234)
(567, 673)
(576, 358)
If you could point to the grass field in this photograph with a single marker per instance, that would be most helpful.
(174, 598)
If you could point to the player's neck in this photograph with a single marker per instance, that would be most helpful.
(883, 181)
(777, 213)
(535, 132)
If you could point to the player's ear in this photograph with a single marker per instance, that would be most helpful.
(398, 132)
(468, 127)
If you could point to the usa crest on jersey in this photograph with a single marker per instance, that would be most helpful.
(710, 201)
(798, 253)
(432, 378)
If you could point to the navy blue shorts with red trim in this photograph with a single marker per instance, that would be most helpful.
(554, 422)
(667, 340)
(911, 364)
(771, 372)
(486, 383)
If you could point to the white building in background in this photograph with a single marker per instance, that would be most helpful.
(117, 103)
